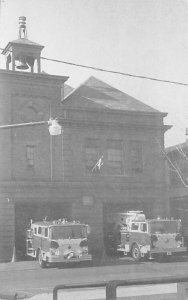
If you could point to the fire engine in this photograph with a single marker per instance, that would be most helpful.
(134, 234)
(58, 241)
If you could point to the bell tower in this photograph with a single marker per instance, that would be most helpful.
(22, 53)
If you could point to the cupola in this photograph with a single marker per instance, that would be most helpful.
(22, 53)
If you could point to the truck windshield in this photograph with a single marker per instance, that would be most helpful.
(68, 232)
(163, 227)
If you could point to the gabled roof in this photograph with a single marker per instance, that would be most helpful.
(94, 93)
(67, 89)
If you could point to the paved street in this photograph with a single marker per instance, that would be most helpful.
(26, 278)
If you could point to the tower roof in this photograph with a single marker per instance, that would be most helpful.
(22, 38)
(23, 51)
(22, 42)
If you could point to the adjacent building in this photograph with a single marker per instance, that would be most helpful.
(177, 157)
(108, 157)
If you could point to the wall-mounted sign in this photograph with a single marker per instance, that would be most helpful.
(87, 200)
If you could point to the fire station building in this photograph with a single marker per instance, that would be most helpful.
(108, 157)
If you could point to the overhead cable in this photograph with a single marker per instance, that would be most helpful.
(113, 72)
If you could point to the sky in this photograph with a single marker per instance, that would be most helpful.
(139, 37)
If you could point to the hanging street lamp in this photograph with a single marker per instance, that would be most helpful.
(53, 126)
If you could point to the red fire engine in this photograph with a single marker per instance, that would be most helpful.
(58, 241)
(134, 234)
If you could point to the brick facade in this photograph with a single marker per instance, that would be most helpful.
(43, 175)
(7, 229)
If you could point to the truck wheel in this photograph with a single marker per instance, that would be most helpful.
(136, 255)
(42, 263)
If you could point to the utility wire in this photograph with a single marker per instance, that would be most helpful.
(115, 72)
(112, 71)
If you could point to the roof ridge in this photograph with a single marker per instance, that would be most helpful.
(75, 89)
(102, 93)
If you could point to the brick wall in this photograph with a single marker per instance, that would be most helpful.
(7, 234)
(59, 162)
(24, 98)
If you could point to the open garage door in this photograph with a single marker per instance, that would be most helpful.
(109, 211)
(24, 212)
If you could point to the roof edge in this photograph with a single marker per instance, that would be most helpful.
(26, 45)
(75, 89)
(163, 114)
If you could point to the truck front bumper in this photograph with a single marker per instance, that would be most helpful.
(168, 251)
(62, 259)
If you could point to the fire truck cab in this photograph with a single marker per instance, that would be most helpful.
(134, 234)
(58, 241)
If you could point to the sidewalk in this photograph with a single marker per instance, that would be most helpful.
(33, 264)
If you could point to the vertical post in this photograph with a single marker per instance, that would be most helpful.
(62, 155)
(111, 290)
(38, 64)
(51, 159)
(7, 62)
(50, 143)
(55, 294)
(182, 290)
(13, 62)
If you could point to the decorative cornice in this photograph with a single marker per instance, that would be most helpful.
(129, 125)
(39, 78)
(117, 111)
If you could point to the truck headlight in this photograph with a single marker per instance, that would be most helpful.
(83, 244)
(54, 248)
(178, 237)
(84, 249)
(54, 251)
